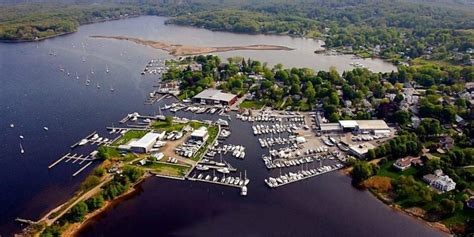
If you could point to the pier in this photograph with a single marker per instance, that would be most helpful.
(82, 168)
(87, 137)
(217, 182)
(299, 179)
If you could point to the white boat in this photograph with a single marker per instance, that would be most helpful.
(223, 170)
(12, 125)
(112, 89)
(200, 176)
(21, 149)
(46, 128)
(243, 191)
(21, 137)
(98, 86)
(83, 142)
(106, 69)
(208, 177)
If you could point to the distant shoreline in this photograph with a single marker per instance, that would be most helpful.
(188, 50)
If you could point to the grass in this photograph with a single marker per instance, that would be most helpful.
(129, 135)
(388, 170)
(213, 130)
(251, 104)
(164, 126)
(167, 169)
(459, 217)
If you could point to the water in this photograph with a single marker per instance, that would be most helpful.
(35, 93)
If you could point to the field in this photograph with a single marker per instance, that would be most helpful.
(129, 135)
(167, 169)
(251, 104)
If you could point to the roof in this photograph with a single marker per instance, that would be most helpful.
(362, 149)
(146, 140)
(348, 123)
(403, 162)
(200, 132)
(330, 126)
(372, 124)
(213, 94)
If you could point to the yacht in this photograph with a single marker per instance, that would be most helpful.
(21, 149)
(46, 128)
(243, 191)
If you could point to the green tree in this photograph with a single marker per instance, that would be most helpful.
(77, 212)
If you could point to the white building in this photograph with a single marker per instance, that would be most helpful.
(144, 144)
(200, 134)
(440, 181)
(360, 150)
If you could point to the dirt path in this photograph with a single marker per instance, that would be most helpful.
(183, 50)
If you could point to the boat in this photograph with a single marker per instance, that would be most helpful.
(202, 167)
(106, 69)
(200, 176)
(223, 170)
(112, 89)
(83, 142)
(243, 191)
(12, 125)
(46, 128)
(98, 86)
(21, 149)
(21, 137)
(208, 177)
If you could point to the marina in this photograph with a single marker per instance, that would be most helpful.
(84, 109)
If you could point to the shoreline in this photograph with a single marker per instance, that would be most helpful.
(436, 225)
(75, 228)
(188, 50)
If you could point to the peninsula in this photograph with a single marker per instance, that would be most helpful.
(186, 50)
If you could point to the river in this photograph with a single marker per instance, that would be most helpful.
(35, 93)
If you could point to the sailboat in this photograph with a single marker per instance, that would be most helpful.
(246, 181)
(21, 149)
(77, 76)
(106, 69)
(83, 59)
(98, 86)
(87, 80)
(112, 89)
(92, 70)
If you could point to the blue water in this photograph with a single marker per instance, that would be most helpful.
(35, 93)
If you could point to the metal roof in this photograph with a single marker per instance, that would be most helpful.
(213, 94)
(146, 140)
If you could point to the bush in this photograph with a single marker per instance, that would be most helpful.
(99, 171)
(95, 203)
(90, 182)
(77, 212)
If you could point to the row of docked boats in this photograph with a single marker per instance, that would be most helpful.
(229, 180)
(95, 139)
(271, 163)
(291, 177)
(237, 151)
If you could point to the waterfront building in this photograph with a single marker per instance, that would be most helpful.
(145, 144)
(213, 96)
(356, 126)
(360, 150)
(407, 162)
(200, 134)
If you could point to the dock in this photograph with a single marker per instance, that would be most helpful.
(212, 182)
(59, 160)
(232, 169)
(305, 177)
(87, 137)
(25, 221)
(82, 168)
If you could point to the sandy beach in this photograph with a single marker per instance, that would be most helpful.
(186, 50)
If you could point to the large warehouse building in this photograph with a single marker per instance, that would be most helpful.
(213, 96)
(144, 144)
(359, 126)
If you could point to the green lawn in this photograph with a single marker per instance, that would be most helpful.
(251, 104)
(164, 126)
(129, 135)
(388, 170)
(167, 169)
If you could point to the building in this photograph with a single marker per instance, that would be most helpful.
(360, 150)
(200, 134)
(439, 181)
(213, 96)
(407, 162)
(144, 144)
(356, 126)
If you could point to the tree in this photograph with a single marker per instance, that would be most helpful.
(95, 203)
(361, 171)
(90, 182)
(402, 117)
(371, 154)
(77, 212)
(133, 173)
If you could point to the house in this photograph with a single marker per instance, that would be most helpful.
(407, 162)
(439, 181)
(446, 142)
(200, 134)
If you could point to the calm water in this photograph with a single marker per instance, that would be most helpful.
(34, 94)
